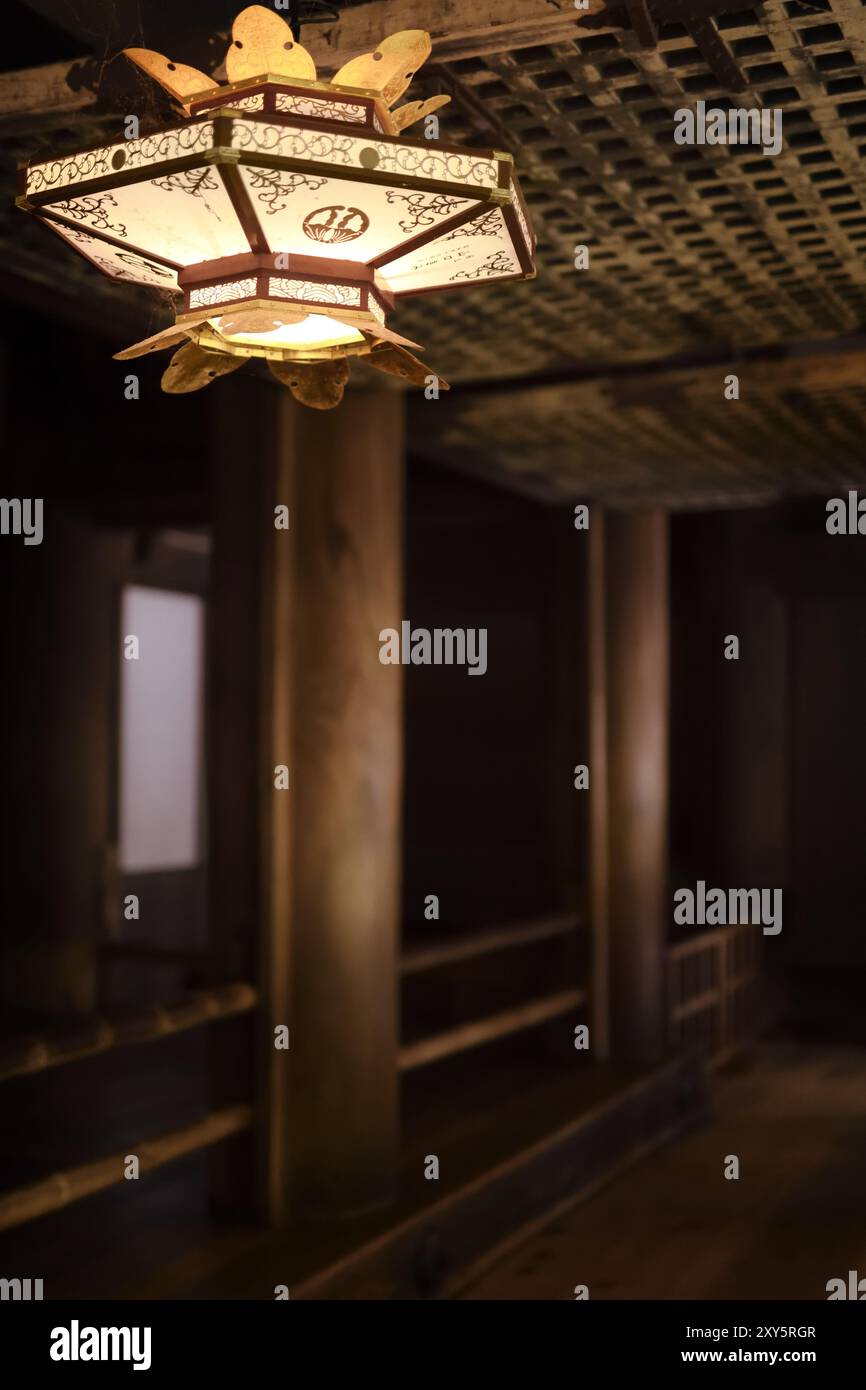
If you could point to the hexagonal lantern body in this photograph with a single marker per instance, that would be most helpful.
(293, 197)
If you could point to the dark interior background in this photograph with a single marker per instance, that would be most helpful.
(768, 758)
(767, 754)
(488, 758)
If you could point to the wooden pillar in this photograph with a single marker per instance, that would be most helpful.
(636, 660)
(306, 881)
(599, 882)
(346, 780)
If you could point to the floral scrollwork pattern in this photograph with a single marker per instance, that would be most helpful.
(93, 211)
(497, 263)
(195, 182)
(423, 209)
(488, 224)
(274, 186)
(132, 154)
(351, 112)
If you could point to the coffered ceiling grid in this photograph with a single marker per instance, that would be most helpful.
(689, 245)
(697, 252)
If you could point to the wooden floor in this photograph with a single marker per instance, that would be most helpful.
(675, 1228)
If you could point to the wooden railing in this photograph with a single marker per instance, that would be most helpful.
(713, 991)
(478, 1032)
(712, 1005)
(36, 1053)
(73, 1184)
(491, 1029)
(32, 1054)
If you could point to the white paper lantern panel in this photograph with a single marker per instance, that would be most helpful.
(117, 261)
(184, 217)
(480, 250)
(342, 219)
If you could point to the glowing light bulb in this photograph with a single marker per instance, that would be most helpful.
(315, 331)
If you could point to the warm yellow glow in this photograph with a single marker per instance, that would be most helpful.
(315, 331)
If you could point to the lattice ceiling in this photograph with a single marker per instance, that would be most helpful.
(707, 249)
(689, 245)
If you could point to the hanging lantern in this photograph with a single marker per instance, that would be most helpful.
(291, 214)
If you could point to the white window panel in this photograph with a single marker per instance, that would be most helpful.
(161, 731)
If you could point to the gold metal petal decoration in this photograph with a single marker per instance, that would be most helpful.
(317, 384)
(397, 362)
(262, 42)
(389, 68)
(413, 111)
(387, 335)
(157, 342)
(192, 367)
(179, 81)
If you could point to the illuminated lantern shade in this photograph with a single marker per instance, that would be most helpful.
(291, 214)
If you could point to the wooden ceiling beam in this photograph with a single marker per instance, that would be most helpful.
(642, 23)
(617, 14)
(57, 89)
(458, 29)
(840, 369)
(717, 56)
(831, 365)
(696, 15)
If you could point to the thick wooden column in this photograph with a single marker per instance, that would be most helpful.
(636, 658)
(346, 782)
(305, 882)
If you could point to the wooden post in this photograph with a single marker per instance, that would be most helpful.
(636, 608)
(305, 882)
(599, 906)
(346, 782)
